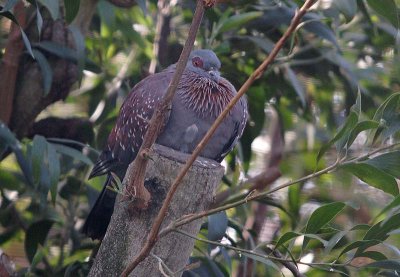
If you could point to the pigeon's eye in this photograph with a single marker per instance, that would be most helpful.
(197, 62)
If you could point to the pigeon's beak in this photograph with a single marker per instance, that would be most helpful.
(215, 75)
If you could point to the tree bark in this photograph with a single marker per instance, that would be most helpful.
(127, 233)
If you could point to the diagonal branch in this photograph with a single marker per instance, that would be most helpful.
(256, 74)
(136, 188)
(155, 125)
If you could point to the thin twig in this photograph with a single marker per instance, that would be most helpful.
(151, 135)
(253, 253)
(288, 264)
(189, 218)
(164, 9)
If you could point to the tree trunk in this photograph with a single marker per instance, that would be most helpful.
(127, 233)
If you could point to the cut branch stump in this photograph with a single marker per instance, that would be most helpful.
(127, 232)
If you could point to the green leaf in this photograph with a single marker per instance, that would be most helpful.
(57, 49)
(387, 9)
(385, 264)
(394, 203)
(237, 21)
(39, 19)
(26, 42)
(380, 231)
(322, 216)
(71, 9)
(349, 124)
(35, 236)
(39, 147)
(262, 260)
(40, 253)
(319, 218)
(377, 256)
(7, 138)
(347, 7)
(373, 176)
(334, 241)
(73, 153)
(53, 7)
(217, 224)
(45, 68)
(287, 237)
(361, 126)
(388, 116)
(388, 162)
(264, 43)
(380, 112)
(80, 47)
(54, 170)
(297, 86)
(362, 244)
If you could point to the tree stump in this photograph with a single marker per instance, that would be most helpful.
(127, 233)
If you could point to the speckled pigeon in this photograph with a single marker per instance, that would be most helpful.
(201, 96)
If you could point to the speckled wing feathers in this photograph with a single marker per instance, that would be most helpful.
(126, 137)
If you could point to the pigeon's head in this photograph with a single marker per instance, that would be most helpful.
(205, 63)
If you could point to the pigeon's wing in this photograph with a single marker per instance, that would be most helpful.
(127, 135)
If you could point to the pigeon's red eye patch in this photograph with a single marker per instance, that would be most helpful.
(197, 62)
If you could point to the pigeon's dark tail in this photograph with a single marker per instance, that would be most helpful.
(99, 217)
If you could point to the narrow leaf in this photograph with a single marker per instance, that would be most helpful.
(53, 7)
(237, 21)
(373, 176)
(73, 153)
(363, 244)
(360, 127)
(45, 68)
(54, 170)
(39, 19)
(217, 224)
(394, 203)
(377, 256)
(26, 42)
(350, 123)
(385, 264)
(262, 260)
(80, 47)
(35, 236)
(347, 7)
(71, 9)
(297, 86)
(287, 237)
(380, 231)
(322, 216)
(388, 162)
(39, 147)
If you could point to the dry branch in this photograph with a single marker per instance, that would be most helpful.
(139, 167)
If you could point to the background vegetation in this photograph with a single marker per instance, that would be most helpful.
(330, 97)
